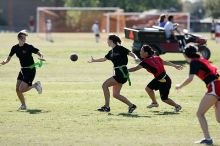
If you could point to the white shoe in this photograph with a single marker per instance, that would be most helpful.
(22, 107)
(153, 105)
(38, 87)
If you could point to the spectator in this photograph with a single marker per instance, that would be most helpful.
(213, 27)
(162, 20)
(95, 29)
(31, 24)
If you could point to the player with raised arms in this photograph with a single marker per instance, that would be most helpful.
(162, 82)
(208, 73)
(118, 55)
(28, 67)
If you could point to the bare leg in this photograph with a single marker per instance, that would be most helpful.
(151, 93)
(22, 87)
(206, 102)
(170, 102)
(105, 86)
(117, 95)
(217, 111)
(20, 94)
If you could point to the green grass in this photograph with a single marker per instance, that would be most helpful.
(65, 114)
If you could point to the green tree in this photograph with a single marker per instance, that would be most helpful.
(213, 7)
(128, 5)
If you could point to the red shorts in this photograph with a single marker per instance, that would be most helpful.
(214, 88)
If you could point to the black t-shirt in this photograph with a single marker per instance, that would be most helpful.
(24, 53)
(118, 56)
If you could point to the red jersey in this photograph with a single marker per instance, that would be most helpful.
(203, 69)
(154, 65)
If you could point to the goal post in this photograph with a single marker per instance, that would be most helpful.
(71, 19)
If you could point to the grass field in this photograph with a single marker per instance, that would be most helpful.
(65, 114)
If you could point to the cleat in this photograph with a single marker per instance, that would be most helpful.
(132, 108)
(153, 105)
(38, 87)
(177, 108)
(205, 141)
(22, 107)
(104, 109)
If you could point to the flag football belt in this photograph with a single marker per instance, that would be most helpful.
(163, 80)
(124, 74)
(38, 64)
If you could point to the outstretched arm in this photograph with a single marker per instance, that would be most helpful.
(134, 56)
(133, 69)
(41, 57)
(97, 60)
(185, 82)
(179, 67)
(6, 60)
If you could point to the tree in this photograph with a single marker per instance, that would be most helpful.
(213, 7)
(128, 5)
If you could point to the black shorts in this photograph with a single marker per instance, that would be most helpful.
(119, 75)
(163, 87)
(212, 31)
(27, 75)
(97, 35)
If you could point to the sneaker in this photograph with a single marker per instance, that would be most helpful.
(205, 141)
(132, 108)
(22, 107)
(104, 109)
(38, 87)
(153, 105)
(177, 108)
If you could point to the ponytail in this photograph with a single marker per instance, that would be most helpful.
(115, 39)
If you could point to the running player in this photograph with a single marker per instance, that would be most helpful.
(208, 73)
(162, 82)
(118, 56)
(27, 73)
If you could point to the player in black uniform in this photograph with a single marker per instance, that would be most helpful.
(27, 73)
(162, 82)
(118, 56)
(209, 75)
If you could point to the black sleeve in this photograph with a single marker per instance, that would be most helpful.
(194, 67)
(107, 56)
(13, 49)
(125, 50)
(33, 49)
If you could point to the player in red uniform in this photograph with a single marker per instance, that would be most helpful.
(162, 82)
(208, 73)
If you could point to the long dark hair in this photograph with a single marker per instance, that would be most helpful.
(115, 39)
(148, 49)
(191, 52)
(162, 18)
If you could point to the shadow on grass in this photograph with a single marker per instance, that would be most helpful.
(164, 113)
(33, 111)
(180, 62)
(132, 115)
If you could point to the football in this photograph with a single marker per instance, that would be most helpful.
(74, 57)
